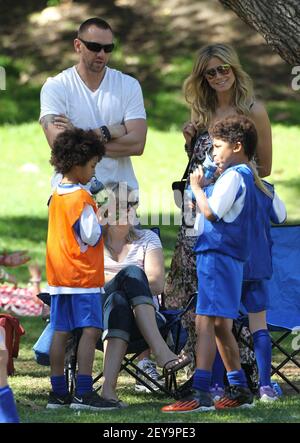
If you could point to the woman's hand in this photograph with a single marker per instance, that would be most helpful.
(189, 130)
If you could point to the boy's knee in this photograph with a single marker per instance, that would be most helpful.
(92, 334)
(222, 327)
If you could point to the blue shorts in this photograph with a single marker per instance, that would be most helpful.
(71, 311)
(255, 296)
(219, 285)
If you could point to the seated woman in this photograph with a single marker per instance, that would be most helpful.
(134, 272)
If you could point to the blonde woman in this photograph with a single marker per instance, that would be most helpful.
(217, 87)
(134, 273)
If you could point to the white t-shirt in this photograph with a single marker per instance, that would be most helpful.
(118, 99)
(146, 242)
(224, 202)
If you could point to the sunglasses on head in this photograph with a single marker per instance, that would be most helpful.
(97, 47)
(221, 69)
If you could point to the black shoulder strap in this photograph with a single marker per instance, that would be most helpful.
(188, 165)
(186, 170)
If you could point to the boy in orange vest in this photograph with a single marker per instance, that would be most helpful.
(74, 265)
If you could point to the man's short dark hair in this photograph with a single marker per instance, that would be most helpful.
(75, 147)
(94, 21)
(237, 128)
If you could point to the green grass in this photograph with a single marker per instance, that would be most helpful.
(31, 385)
(24, 190)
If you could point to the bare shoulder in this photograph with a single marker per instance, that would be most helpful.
(258, 110)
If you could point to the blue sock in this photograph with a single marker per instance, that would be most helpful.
(59, 384)
(201, 380)
(237, 378)
(84, 383)
(218, 371)
(263, 354)
(8, 410)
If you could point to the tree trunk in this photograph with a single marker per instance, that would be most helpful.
(278, 21)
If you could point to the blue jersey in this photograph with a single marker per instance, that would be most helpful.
(259, 264)
(233, 236)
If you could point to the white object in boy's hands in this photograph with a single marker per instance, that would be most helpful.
(2, 339)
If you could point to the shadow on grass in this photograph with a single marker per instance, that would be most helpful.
(32, 229)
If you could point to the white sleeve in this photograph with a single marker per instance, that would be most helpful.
(90, 230)
(224, 193)
(278, 214)
(135, 103)
(152, 241)
(53, 99)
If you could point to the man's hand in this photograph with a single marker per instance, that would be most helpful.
(117, 131)
(62, 122)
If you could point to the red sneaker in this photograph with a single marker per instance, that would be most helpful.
(197, 401)
(235, 397)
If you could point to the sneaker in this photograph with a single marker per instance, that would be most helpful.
(277, 388)
(235, 397)
(93, 402)
(149, 367)
(56, 401)
(267, 393)
(216, 392)
(197, 401)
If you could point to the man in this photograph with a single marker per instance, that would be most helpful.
(91, 95)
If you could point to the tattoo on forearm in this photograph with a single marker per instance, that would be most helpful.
(46, 120)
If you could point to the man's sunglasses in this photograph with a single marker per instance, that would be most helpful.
(221, 69)
(97, 47)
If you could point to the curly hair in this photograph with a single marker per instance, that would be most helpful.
(202, 98)
(75, 147)
(237, 128)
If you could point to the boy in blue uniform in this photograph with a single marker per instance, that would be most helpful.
(257, 270)
(226, 232)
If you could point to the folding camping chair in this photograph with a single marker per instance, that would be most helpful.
(173, 332)
(283, 315)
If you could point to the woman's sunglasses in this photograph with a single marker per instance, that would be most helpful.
(221, 69)
(97, 47)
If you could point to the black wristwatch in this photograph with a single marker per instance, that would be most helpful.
(106, 135)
